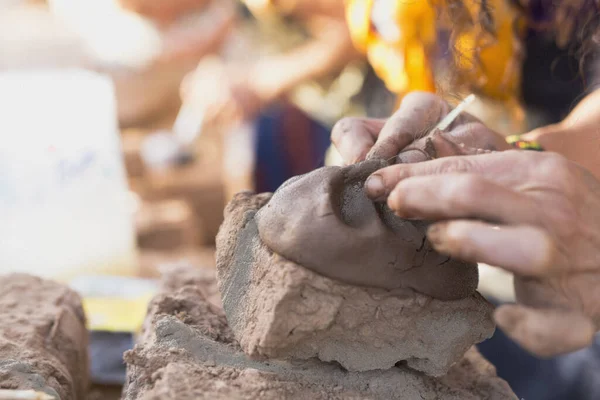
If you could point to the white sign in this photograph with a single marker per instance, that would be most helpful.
(64, 204)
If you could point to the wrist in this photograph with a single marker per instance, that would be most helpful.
(550, 137)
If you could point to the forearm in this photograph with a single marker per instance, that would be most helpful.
(163, 11)
(196, 44)
(577, 137)
(326, 54)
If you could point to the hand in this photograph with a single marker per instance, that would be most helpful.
(534, 214)
(361, 138)
(224, 93)
(162, 11)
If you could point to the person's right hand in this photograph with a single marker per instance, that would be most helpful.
(534, 214)
(411, 126)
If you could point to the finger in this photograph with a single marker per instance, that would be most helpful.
(449, 196)
(523, 250)
(354, 137)
(547, 332)
(498, 167)
(419, 112)
(475, 133)
(435, 146)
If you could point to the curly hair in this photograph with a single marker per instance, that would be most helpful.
(573, 24)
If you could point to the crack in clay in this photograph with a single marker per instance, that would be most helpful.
(393, 263)
(307, 371)
(446, 261)
(422, 244)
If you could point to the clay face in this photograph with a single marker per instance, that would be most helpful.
(324, 221)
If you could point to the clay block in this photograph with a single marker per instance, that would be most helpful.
(187, 351)
(43, 339)
(203, 279)
(167, 225)
(278, 309)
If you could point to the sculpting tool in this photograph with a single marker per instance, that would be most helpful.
(24, 395)
(452, 115)
(447, 120)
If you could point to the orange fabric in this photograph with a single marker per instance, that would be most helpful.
(404, 59)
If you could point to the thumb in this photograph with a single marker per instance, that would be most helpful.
(419, 112)
(546, 332)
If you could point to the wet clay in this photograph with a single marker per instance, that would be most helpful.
(187, 353)
(43, 339)
(325, 222)
(280, 310)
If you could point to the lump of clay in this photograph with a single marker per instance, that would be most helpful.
(43, 338)
(187, 353)
(279, 309)
(325, 222)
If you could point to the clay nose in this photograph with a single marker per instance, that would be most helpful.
(350, 203)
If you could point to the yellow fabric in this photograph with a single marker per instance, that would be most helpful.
(487, 65)
(402, 64)
(116, 314)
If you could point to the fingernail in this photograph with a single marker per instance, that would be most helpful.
(375, 188)
(436, 234)
(361, 157)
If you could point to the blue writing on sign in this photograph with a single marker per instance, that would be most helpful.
(69, 170)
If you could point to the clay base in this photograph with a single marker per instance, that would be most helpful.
(188, 352)
(278, 309)
(43, 339)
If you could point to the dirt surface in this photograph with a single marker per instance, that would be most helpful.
(43, 339)
(279, 309)
(188, 351)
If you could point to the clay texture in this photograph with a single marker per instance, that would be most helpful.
(325, 222)
(278, 309)
(43, 339)
(187, 353)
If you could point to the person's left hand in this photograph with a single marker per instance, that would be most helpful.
(224, 93)
(534, 214)
(411, 128)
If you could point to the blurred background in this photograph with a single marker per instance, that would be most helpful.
(127, 125)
